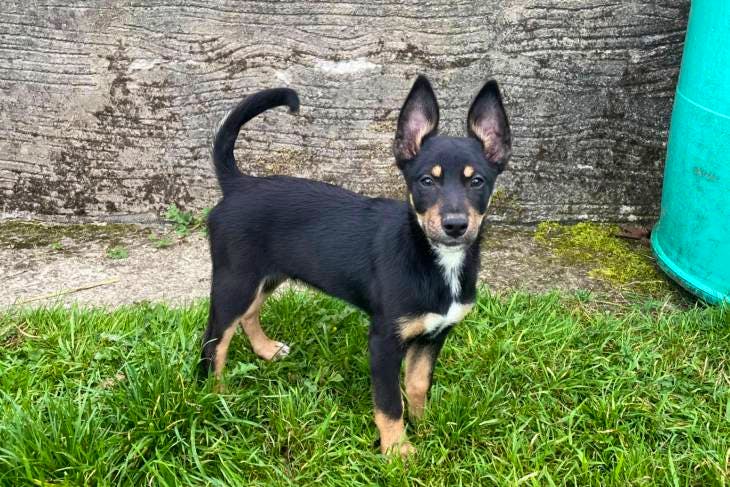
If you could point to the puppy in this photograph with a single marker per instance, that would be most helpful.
(411, 265)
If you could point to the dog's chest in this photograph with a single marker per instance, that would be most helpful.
(434, 323)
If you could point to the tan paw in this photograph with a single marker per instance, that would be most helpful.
(281, 351)
(404, 449)
(415, 413)
(273, 351)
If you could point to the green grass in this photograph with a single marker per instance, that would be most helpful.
(530, 390)
(160, 241)
(186, 222)
(117, 252)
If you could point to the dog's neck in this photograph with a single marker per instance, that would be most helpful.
(451, 262)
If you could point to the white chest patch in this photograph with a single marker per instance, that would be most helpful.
(434, 323)
(451, 260)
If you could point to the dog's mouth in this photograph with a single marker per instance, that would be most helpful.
(451, 242)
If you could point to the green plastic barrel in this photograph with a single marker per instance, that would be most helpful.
(692, 238)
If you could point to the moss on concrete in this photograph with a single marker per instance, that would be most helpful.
(611, 259)
(500, 198)
(16, 234)
(506, 205)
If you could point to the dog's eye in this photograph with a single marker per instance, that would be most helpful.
(476, 182)
(426, 181)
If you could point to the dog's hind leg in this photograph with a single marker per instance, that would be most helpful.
(229, 300)
(232, 302)
(262, 345)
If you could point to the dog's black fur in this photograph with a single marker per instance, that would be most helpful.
(384, 256)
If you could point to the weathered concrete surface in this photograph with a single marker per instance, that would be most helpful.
(44, 264)
(106, 106)
(78, 270)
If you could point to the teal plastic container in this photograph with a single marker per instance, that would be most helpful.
(692, 238)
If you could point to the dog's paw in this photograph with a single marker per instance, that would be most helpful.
(281, 351)
(273, 351)
(402, 449)
(406, 450)
(415, 414)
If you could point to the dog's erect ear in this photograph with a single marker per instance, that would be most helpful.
(419, 118)
(487, 122)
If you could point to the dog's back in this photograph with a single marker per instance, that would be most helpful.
(304, 230)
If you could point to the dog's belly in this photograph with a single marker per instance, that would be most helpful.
(434, 323)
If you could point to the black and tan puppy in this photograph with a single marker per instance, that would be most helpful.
(411, 265)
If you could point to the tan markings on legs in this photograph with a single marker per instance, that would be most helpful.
(221, 350)
(418, 380)
(468, 171)
(411, 327)
(392, 435)
(437, 171)
(262, 345)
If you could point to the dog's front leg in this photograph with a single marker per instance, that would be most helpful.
(420, 359)
(386, 355)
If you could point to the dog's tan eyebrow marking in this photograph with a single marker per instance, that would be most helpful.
(468, 171)
(436, 171)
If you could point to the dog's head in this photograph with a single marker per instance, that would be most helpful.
(450, 179)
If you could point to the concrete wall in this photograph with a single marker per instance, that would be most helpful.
(106, 106)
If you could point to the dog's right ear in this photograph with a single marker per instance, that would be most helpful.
(418, 119)
(487, 122)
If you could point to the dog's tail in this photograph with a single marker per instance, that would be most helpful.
(225, 136)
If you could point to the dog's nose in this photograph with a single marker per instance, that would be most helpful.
(455, 225)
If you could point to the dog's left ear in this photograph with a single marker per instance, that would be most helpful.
(487, 122)
(418, 119)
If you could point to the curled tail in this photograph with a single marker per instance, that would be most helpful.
(225, 136)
